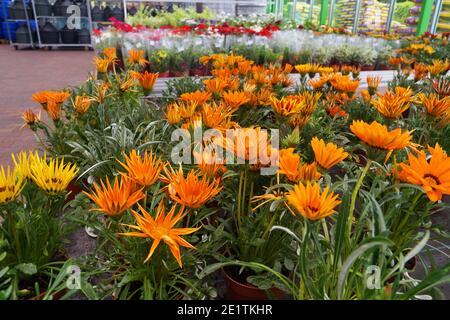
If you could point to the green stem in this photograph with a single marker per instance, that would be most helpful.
(354, 196)
(239, 199)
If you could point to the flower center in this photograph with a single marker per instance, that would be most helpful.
(431, 179)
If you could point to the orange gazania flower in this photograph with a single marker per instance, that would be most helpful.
(173, 115)
(199, 97)
(286, 106)
(365, 94)
(310, 202)
(217, 116)
(392, 105)
(114, 200)
(378, 136)
(249, 144)
(136, 57)
(435, 107)
(209, 164)
(110, 53)
(432, 175)
(190, 191)
(143, 170)
(82, 104)
(215, 85)
(344, 83)
(420, 71)
(327, 155)
(146, 79)
(30, 117)
(290, 165)
(235, 99)
(41, 97)
(54, 110)
(161, 228)
(372, 84)
(393, 61)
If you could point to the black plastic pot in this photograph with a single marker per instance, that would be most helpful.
(107, 12)
(49, 34)
(117, 13)
(17, 10)
(22, 35)
(84, 36)
(97, 14)
(60, 8)
(43, 8)
(132, 11)
(83, 9)
(69, 36)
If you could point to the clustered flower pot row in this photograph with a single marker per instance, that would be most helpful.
(349, 185)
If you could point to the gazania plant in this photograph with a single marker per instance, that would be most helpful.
(295, 189)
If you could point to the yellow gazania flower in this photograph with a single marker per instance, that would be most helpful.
(52, 176)
(392, 105)
(136, 57)
(101, 91)
(143, 170)
(310, 202)
(310, 101)
(186, 109)
(23, 162)
(173, 115)
(199, 97)
(82, 104)
(101, 64)
(114, 200)
(290, 165)
(372, 84)
(147, 80)
(11, 184)
(432, 175)
(299, 120)
(439, 67)
(30, 117)
(435, 107)
(286, 106)
(190, 191)
(378, 136)
(161, 228)
(110, 53)
(215, 85)
(235, 99)
(327, 155)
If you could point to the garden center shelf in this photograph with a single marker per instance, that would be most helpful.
(18, 25)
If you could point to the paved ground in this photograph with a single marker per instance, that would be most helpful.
(24, 72)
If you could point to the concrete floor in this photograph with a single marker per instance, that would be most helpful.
(24, 72)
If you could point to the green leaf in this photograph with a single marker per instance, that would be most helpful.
(27, 268)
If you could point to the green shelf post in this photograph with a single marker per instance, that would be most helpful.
(323, 12)
(425, 16)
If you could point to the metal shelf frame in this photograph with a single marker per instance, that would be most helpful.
(26, 20)
(38, 30)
